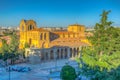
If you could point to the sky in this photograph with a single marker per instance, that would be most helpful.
(57, 13)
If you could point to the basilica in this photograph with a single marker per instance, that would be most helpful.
(48, 44)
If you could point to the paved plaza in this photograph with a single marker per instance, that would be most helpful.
(43, 71)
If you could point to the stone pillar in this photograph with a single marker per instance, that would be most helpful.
(63, 53)
(55, 54)
(76, 52)
(79, 51)
(49, 56)
(39, 55)
(59, 53)
(44, 56)
(68, 52)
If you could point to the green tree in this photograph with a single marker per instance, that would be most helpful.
(10, 51)
(68, 73)
(103, 57)
(105, 45)
(27, 45)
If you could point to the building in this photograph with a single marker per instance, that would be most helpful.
(7, 38)
(50, 44)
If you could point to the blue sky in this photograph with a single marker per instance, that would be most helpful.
(57, 12)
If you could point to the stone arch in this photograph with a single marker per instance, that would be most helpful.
(66, 52)
(51, 55)
(47, 56)
(70, 52)
(42, 57)
(58, 54)
(44, 36)
(61, 53)
(78, 51)
(41, 36)
(30, 27)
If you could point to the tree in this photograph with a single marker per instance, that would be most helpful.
(103, 56)
(27, 45)
(105, 50)
(10, 51)
(68, 73)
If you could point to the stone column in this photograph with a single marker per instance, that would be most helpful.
(68, 54)
(63, 53)
(44, 56)
(79, 51)
(76, 52)
(39, 55)
(59, 53)
(55, 54)
(49, 56)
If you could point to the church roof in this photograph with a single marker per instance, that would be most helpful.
(40, 29)
(70, 42)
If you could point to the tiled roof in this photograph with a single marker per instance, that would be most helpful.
(39, 29)
(7, 38)
(70, 42)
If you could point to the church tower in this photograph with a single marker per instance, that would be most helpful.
(25, 26)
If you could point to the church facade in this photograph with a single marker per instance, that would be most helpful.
(49, 45)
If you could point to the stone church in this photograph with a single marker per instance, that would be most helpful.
(46, 45)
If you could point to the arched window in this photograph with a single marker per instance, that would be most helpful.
(30, 27)
(66, 53)
(58, 54)
(45, 36)
(41, 36)
(61, 53)
(70, 52)
(51, 55)
(47, 57)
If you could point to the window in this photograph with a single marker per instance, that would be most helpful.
(45, 36)
(41, 36)
(30, 27)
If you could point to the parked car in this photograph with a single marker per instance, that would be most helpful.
(18, 68)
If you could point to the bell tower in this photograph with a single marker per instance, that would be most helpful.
(25, 26)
